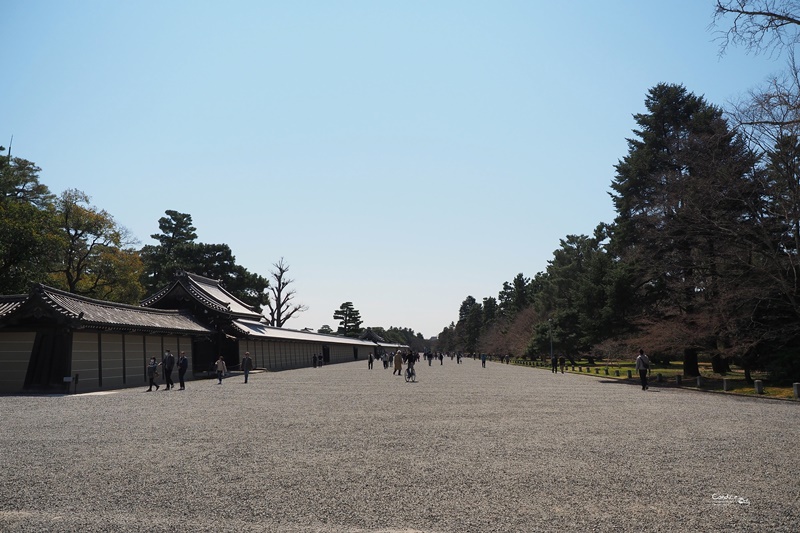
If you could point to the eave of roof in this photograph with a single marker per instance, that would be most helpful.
(90, 313)
(9, 304)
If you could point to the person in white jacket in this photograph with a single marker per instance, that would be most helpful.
(643, 366)
(222, 369)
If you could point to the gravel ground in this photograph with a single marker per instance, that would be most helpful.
(344, 449)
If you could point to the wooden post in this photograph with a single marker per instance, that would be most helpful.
(699, 381)
(629, 374)
(616, 372)
(759, 386)
(726, 385)
(678, 380)
(796, 388)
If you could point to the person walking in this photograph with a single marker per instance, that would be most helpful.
(167, 364)
(441, 358)
(247, 365)
(152, 373)
(643, 366)
(371, 359)
(183, 365)
(562, 362)
(483, 360)
(398, 363)
(221, 368)
(553, 364)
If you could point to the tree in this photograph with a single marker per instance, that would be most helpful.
(489, 310)
(446, 341)
(406, 336)
(515, 296)
(161, 261)
(759, 25)
(684, 178)
(178, 251)
(349, 320)
(280, 303)
(763, 302)
(97, 258)
(470, 322)
(29, 237)
(326, 329)
(176, 229)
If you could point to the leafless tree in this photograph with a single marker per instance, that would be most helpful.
(280, 305)
(761, 26)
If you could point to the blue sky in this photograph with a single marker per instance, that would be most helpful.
(401, 155)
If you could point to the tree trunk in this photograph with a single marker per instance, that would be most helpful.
(690, 368)
(719, 364)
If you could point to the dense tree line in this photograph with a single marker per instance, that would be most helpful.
(702, 257)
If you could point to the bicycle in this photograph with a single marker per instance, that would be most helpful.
(411, 374)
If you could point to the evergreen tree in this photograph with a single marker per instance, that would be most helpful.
(178, 251)
(29, 236)
(683, 178)
(349, 320)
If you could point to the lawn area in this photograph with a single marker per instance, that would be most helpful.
(709, 380)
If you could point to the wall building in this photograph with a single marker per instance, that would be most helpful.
(48, 338)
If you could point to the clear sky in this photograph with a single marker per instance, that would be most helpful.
(401, 155)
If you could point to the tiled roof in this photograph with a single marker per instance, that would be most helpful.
(208, 292)
(9, 304)
(97, 313)
(261, 330)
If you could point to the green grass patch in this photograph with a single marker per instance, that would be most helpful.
(709, 380)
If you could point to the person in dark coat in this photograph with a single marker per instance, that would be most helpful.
(167, 364)
(247, 365)
(183, 365)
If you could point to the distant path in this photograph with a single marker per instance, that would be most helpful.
(346, 449)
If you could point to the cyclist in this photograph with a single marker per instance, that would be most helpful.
(411, 374)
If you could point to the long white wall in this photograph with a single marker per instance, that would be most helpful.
(284, 355)
(114, 360)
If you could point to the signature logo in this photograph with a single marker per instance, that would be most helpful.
(728, 499)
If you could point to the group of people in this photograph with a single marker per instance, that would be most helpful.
(557, 362)
(642, 366)
(168, 363)
(408, 358)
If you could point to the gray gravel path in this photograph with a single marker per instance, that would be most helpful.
(344, 449)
